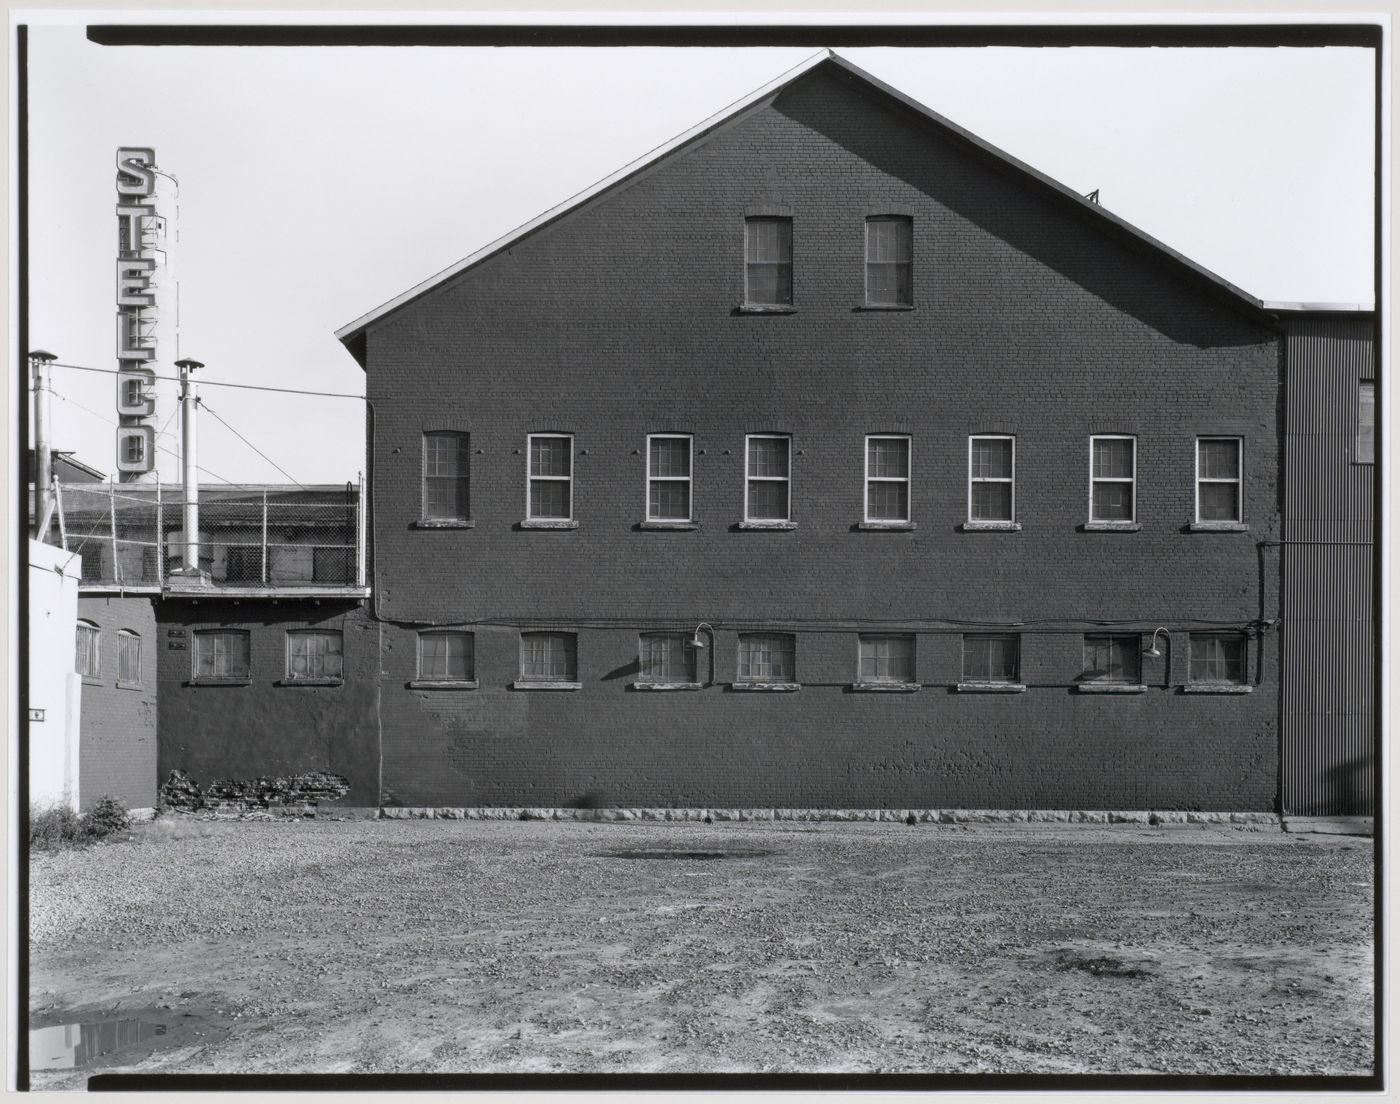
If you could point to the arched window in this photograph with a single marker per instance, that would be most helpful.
(128, 658)
(89, 659)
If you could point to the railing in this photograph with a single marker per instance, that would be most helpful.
(132, 536)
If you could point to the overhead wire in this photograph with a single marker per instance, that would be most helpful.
(215, 414)
(220, 383)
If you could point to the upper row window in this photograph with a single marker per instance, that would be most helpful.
(889, 254)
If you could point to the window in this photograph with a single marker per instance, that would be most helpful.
(315, 654)
(888, 250)
(886, 479)
(133, 448)
(768, 476)
(1113, 659)
(665, 658)
(446, 464)
(551, 476)
(89, 660)
(128, 658)
(446, 656)
(768, 262)
(993, 658)
(991, 487)
(221, 654)
(1112, 478)
(886, 659)
(1218, 479)
(668, 477)
(548, 657)
(133, 394)
(767, 657)
(1218, 658)
(1366, 422)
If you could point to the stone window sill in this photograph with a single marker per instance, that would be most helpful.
(1219, 527)
(128, 685)
(443, 523)
(1111, 527)
(215, 681)
(991, 527)
(991, 687)
(548, 523)
(667, 686)
(675, 525)
(544, 684)
(885, 307)
(1110, 688)
(896, 526)
(885, 687)
(1216, 688)
(775, 526)
(775, 687)
(443, 684)
(310, 682)
(767, 308)
(89, 680)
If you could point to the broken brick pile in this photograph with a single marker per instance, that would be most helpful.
(298, 793)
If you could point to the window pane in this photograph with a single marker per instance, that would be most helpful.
(766, 657)
(991, 657)
(1220, 501)
(768, 257)
(549, 499)
(550, 456)
(669, 499)
(1219, 459)
(889, 501)
(670, 456)
(1113, 502)
(547, 657)
(1366, 423)
(1113, 458)
(768, 500)
(991, 458)
(1217, 657)
(768, 456)
(991, 501)
(1112, 659)
(888, 457)
(886, 659)
(665, 658)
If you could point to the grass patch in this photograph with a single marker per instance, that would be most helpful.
(59, 826)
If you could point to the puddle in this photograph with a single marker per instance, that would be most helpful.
(673, 853)
(72, 1046)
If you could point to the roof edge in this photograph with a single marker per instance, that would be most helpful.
(1284, 305)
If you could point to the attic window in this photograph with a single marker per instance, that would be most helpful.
(768, 262)
(889, 261)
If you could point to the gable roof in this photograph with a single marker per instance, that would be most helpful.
(352, 334)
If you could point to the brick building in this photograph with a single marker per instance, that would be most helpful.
(969, 491)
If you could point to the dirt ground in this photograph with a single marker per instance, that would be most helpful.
(461, 946)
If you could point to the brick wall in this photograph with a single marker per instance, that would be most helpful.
(621, 320)
(117, 742)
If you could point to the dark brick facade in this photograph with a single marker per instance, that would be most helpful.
(117, 732)
(621, 319)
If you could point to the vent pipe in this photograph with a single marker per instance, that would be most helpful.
(39, 361)
(189, 401)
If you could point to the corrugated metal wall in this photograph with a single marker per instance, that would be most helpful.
(1328, 635)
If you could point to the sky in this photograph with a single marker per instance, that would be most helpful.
(318, 183)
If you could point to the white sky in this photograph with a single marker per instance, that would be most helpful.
(318, 183)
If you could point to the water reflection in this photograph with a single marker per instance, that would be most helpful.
(71, 1046)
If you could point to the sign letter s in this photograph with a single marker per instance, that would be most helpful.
(134, 176)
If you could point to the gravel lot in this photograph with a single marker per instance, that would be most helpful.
(462, 946)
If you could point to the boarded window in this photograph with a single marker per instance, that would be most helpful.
(88, 661)
(128, 658)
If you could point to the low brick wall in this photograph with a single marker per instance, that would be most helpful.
(302, 792)
(919, 816)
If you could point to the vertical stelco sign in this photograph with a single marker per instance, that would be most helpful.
(140, 259)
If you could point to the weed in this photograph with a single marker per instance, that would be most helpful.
(54, 827)
(107, 817)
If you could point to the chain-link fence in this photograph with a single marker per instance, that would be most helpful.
(134, 535)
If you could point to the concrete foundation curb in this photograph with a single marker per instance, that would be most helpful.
(922, 816)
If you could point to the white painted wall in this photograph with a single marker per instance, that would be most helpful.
(54, 685)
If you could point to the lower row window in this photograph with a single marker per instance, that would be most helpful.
(548, 657)
(767, 657)
(315, 654)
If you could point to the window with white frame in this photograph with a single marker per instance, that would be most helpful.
(315, 654)
(1112, 478)
(886, 478)
(1218, 470)
(446, 655)
(768, 477)
(665, 658)
(1366, 422)
(89, 656)
(993, 658)
(446, 469)
(886, 658)
(889, 244)
(548, 657)
(668, 477)
(221, 654)
(767, 657)
(551, 476)
(768, 262)
(128, 658)
(991, 478)
(1218, 658)
(1112, 658)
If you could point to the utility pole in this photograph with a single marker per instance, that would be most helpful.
(189, 400)
(39, 361)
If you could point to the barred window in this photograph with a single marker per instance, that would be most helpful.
(446, 656)
(888, 261)
(221, 653)
(886, 658)
(551, 495)
(1218, 657)
(991, 486)
(665, 658)
(548, 657)
(89, 659)
(768, 261)
(128, 658)
(315, 654)
(668, 477)
(446, 470)
(886, 478)
(767, 657)
(1218, 471)
(767, 476)
(1115, 658)
(1112, 478)
(991, 657)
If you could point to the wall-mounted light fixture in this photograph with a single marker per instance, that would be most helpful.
(1152, 649)
(695, 641)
